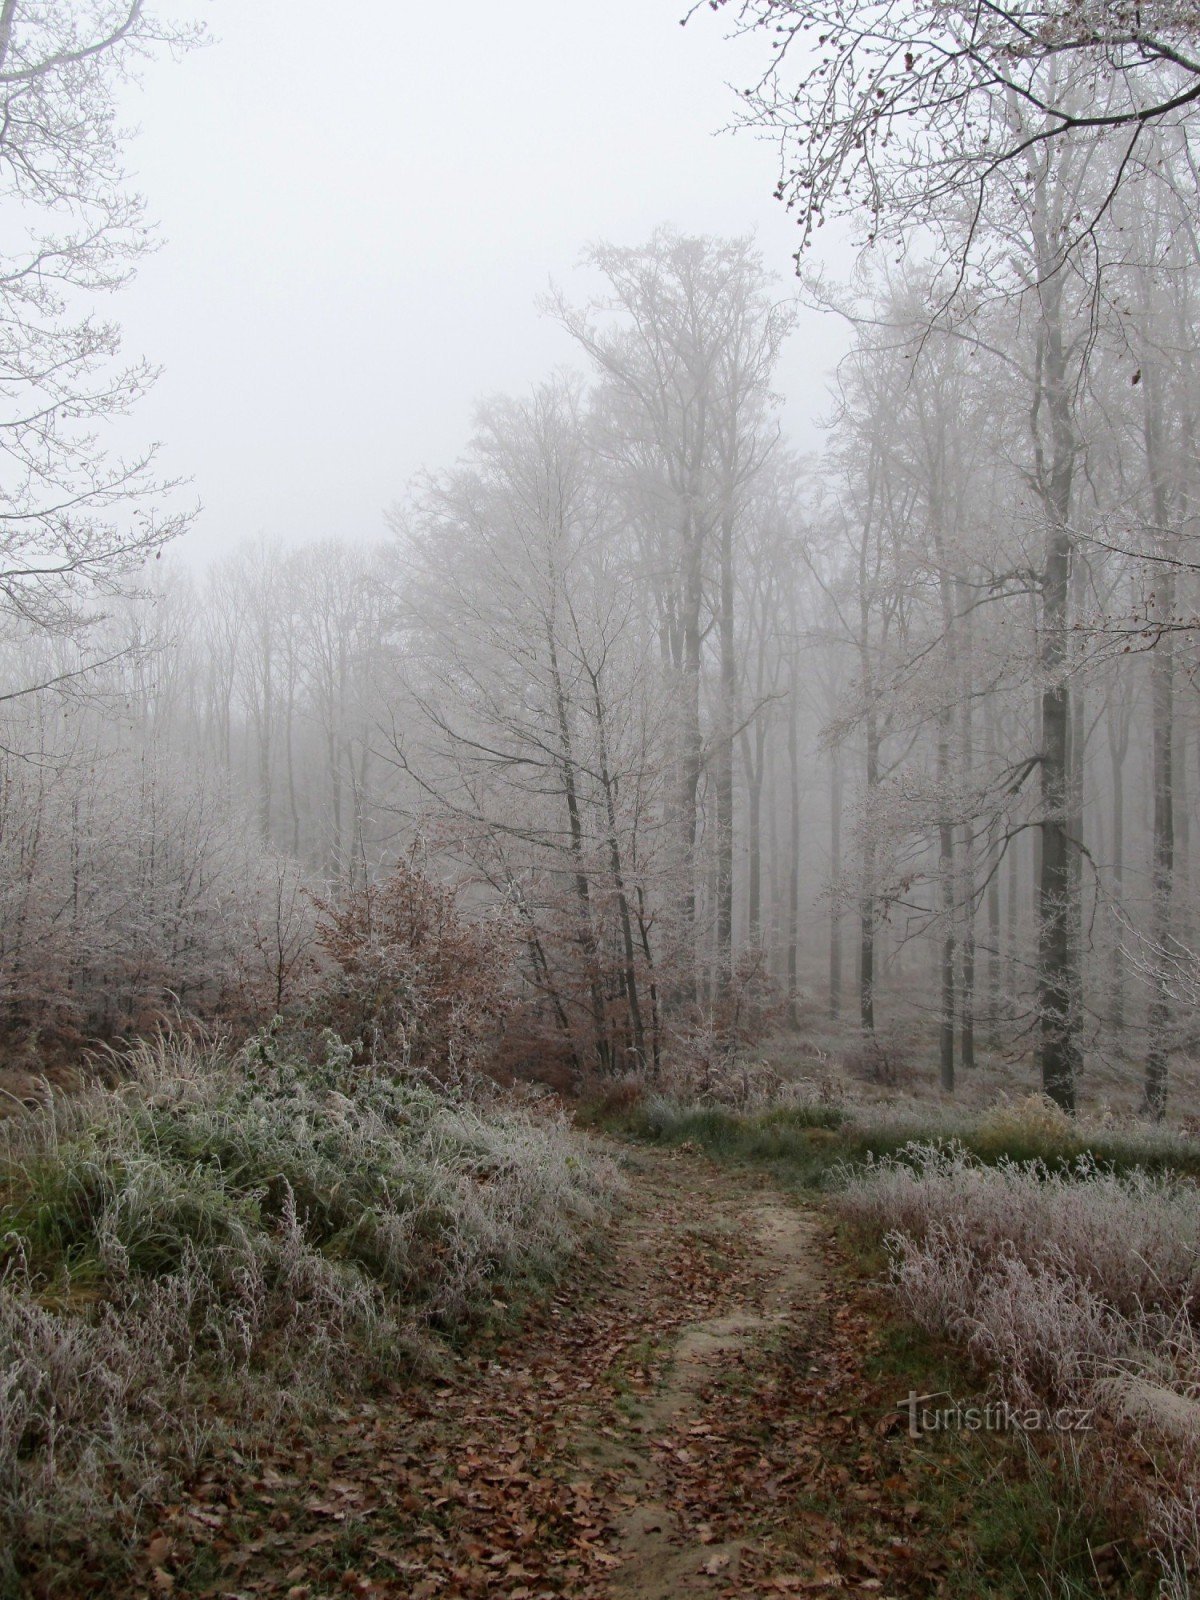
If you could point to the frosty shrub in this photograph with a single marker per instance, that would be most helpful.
(224, 1235)
(411, 977)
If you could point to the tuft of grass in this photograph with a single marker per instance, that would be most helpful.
(220, 1236)
(1069, 1286)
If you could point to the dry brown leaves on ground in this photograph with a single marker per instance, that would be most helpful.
(690, 1415)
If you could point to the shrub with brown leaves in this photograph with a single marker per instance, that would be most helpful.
(412, 979)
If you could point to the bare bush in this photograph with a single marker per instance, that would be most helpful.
(881, 1061)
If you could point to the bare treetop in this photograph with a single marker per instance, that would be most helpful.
(906, 113)
(76, 520)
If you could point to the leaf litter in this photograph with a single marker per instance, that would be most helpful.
(676, 1419)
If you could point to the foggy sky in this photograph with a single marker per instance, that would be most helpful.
(361, 205)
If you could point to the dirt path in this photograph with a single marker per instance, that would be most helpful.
(642, 1435)
(711, 1270)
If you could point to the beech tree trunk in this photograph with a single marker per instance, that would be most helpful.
(835, 872)
(965, 877)
(992, 864)
(723, 762)
(868, 908)
(1118, 745)
(793, 908)
(1058, 984)
(946, 881)
(1162, 698)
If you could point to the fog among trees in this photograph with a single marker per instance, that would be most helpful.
(482, 993)
(726, 736)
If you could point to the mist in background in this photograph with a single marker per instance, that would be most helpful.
(358, 221)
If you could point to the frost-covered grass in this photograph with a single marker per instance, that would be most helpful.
(1069, 1285)
(1061, 1255)
(806, 1138)
(1052, 1277)
(221, 1237)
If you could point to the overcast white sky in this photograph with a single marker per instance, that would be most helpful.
(361, 205)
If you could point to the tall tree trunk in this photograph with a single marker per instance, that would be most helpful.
(1162, 699)
(835, 873)
(992, 865)
(966, 843)
(1162, 860)
(755, 768)
(1117, 727)
(1076, 822)
(587, 933)
(655, 1016)
(1035, 836)
(723, 775)
(1182, 877)
(1058, 976)
(947, 866)
(637, 1027)
(868, 908)
(776, 935)
(1012, 936)
(946, 880)
(793, 921)
(691, 743)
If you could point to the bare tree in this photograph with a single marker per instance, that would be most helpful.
(534, 731)
(912, 113)
(686, 336)
(76, 522)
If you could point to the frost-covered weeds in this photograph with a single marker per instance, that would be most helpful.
(1071, 1284)
(1131, 1241)
(807, 1127)
(225, 1235)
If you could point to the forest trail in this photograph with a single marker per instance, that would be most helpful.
(646, 1433)
(747, 1255)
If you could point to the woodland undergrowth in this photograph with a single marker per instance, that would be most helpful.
(214, 1238)
(1060, 1255)
(1073, 1289)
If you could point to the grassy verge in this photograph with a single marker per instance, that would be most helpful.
(955, 1512)
(221, 1241)
(1030, 1260)
(1073, 1289)
(805, 1146)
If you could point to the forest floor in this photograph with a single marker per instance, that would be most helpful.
(701, 1411)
